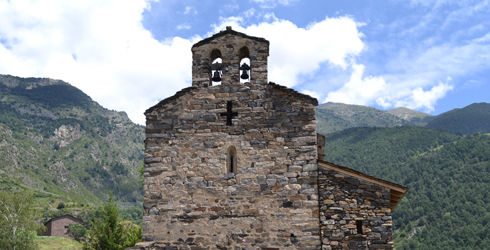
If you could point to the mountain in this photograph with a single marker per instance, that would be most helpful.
(333, 117)
(474, 118)
(448, 204)
(58, 142)
(415, 118)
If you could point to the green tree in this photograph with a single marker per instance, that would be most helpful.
(18, 221)
(61, 205)
(77, 231)
(109, 232)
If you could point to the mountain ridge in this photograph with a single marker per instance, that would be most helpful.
(332, 117)
(62, 142)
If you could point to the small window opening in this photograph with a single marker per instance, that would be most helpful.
(359, 226)
(216, 67)
(231, 161)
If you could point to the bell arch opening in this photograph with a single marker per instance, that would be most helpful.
(216, 67)
(244, 55)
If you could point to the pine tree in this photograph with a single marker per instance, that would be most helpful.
(109, 232)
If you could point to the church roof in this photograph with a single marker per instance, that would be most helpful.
(226, 32)
(291, 92)
(171, 98)
(64, 216)
(397, 191)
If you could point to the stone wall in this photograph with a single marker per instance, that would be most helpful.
(348, 203)
(192, 201)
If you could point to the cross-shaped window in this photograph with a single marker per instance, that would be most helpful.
(229, 113)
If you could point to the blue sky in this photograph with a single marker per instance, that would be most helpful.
(427, 55)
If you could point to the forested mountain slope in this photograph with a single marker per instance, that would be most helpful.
(448, 204)
(474, 118)
(56, 140)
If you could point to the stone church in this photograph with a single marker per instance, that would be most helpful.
(234, 162)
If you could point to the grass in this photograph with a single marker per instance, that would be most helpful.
(57, 243)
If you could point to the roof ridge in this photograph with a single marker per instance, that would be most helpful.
(228, 31)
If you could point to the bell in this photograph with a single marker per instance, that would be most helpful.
(216, 66)
(216, 77)
(244, 68)
(244, 75)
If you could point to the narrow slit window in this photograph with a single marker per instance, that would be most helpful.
(359, 226)
(232, 160)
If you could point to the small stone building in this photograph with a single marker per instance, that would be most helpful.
(59, 225)
(234, 162)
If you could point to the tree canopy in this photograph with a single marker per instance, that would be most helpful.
(18, 221)
(111, 233)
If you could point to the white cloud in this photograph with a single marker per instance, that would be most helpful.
(234, 21)
(371, 90)
(190, 10)
(118, 63)
(313, 94)
(250, 13)
(426, 99)
(483, 39)
(184, 26)
(229, 8)
(273, 3)
(359, 90)
(416, 98)
(298, 51)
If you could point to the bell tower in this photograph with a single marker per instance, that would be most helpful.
(227, 57)
(230, 163)
(234, 162)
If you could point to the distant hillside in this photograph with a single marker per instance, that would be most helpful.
(333, 117)
(57, 141)
(447, 206)
(416, 118)
(474, 118)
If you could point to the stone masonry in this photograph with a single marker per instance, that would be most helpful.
(235, 165)
(354, 212)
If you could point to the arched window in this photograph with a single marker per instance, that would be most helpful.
(216, 67)
(231, 160)
(244, 56)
